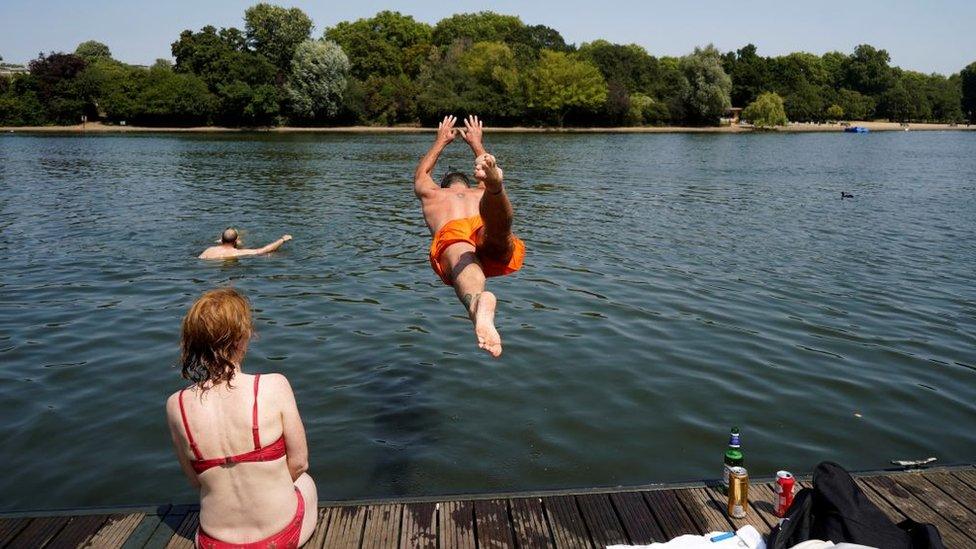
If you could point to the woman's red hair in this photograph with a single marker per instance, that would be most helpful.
(214, 335)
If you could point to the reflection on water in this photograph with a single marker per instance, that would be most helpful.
(674, 285)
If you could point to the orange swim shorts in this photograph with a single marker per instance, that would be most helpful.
(466, 230)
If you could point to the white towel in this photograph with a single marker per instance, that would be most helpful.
(746, 538)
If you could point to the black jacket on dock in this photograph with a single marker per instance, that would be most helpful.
(837, 510)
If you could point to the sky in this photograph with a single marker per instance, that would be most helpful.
(926, 36)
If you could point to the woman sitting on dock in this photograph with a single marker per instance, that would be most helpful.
(239, 437)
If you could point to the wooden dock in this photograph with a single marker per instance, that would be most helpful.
(945, 497)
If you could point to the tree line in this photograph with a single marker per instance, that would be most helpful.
(391, 69)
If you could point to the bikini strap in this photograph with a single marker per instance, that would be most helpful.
(254, 415)
(186, 427)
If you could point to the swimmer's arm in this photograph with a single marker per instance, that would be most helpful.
(296, 446)
(172, 413)
(423, 183)
(266, 249)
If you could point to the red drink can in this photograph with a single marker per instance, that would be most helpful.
(784, 492)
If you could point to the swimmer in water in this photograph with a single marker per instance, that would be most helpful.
(230, 243)
(471, 226)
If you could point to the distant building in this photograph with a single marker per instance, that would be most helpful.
(731, 116)
(7, 69)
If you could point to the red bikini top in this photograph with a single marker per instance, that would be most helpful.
(271, 452)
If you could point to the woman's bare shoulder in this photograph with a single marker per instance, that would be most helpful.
(277, 383)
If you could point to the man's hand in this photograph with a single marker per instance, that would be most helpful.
(473, 133)
(286, 237)
(486, 169)
(445, 131)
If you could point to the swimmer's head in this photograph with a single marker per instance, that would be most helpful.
(229, 236)
(452, 178)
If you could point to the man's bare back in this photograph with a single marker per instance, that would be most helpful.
(228, 247)
(471, 226)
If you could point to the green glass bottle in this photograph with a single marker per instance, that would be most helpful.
(733, 458)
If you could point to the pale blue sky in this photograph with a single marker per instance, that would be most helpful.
(929, 36)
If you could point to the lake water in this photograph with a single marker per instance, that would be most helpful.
(674, 285)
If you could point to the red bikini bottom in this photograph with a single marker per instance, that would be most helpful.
(287, 538)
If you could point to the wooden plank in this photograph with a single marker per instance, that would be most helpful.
(529, 521)
(940, 502)
(601, 520)
(493, 529)
(317, 539)
(763, 500)
(346, 528)
(671, 515)
(185, 536)
(144, 530)
(10, 527)
(167, 527)
(721, 501)
(704, 512)
(893, 514)
(968, 476)
(912, 507)
(957, 489)
(115, 530)
(79, 531)
(419, 528)
(568, 528)
(382, 526)
(456, 519)
(636, 518)
(39, 532)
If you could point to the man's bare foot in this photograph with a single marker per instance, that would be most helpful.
(486, 169)
(484, 324)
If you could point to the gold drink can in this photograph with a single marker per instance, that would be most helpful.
(738, 492)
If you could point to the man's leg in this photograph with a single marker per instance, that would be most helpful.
(469, 284)
(496, 213)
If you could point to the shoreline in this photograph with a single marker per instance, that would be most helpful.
(96, 127)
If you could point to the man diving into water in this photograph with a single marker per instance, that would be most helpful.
(471, 226)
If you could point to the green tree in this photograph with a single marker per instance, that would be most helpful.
(647, 110)
(56, 86)
(379, 45)
(749, 72)
(390, 100)
(867, 71)
(317, 79)
(629, 65)
(485, 26)
(540, 37)
(967, 80)
(19, 103)
(561, 82)
(92, 51)
(855, 105)
(945, 97)
(243, 81)
(766, 111)
(709, 88)
(806, 102)
(170, 98)
(835, 112)
(896, 103)
(276, 32)
(674, 88)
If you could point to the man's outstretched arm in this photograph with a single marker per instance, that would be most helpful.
(423, 183)
(266, 249)
(473, 134)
